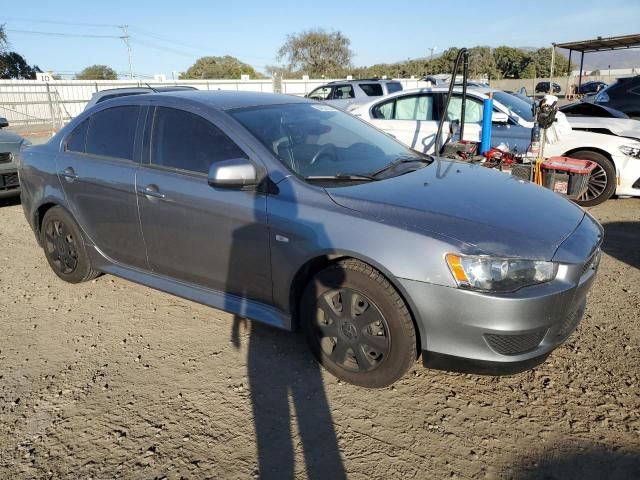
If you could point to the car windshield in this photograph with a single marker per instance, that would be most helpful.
(315, 140)
(514, 104)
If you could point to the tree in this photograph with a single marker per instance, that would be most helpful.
(541, 58)
(13, 65)
(219, 67)
(97, 72)
(317, 53)
(510, 61)
(3, 38)
(482, 63)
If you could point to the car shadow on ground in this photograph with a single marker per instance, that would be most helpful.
(578, 462)
(9, 202)
(621, 240)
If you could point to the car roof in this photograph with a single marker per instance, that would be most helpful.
(229, 99)
(369, 80)
(163, 88)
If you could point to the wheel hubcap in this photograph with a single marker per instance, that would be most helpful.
(351, 331)
(61, 247)
(596, 185)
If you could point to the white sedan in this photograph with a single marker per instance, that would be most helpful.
(412, 117)
(591, 117)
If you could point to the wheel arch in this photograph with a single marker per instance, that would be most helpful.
(314, 265)
(600, 151)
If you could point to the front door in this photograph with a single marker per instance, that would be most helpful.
(97, 170)
(212, 237)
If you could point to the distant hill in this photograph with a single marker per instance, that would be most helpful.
(602, 60)
(592, 61)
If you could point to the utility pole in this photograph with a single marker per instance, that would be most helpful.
(433, 49)
(125, 38)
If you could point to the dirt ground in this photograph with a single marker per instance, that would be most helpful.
(110, 379)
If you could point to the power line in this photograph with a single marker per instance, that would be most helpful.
(62, 34)
(55, 22)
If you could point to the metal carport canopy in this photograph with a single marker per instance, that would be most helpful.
(599, 44)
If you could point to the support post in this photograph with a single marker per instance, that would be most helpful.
(581, 66)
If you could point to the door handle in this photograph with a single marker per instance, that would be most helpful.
(69, 174)
(151, 191)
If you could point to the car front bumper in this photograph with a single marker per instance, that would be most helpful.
(473, 332)
(9, 183)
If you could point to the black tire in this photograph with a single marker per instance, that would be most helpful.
(602, 182)
(374, 334)
(64, 247)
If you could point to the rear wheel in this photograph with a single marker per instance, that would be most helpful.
(64, 247)
(357, 325)
(602, 182)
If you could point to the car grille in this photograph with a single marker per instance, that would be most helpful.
(515, 344)
(571, 321)
(6, 157)
(592, 263)
(9, 180)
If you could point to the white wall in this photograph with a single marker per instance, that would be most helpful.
(25, 102)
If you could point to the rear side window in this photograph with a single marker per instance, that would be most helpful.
(112, 132)
(394, 87)
(185, 141)
(77, 139)
(405, 108)
(371, 89)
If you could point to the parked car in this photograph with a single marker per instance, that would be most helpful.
(110, 93)
(592, 117)
(299, 215)
(623, 95)
(343, 94)
(590, 88)
(412, 116)
(10, 146)
(543, 87)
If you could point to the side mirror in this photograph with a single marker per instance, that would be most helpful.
(3, 122)
(499, 117)
(234, 173)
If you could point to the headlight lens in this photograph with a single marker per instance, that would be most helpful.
(492, 274)
(631, 150)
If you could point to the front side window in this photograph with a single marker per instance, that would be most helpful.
(473, 109)
(112, 132)
(320, 93)
(318, 140)
(372, 89)
(77, 139)
(184, 141)
(343, 92)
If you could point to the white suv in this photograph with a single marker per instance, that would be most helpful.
(343, 94)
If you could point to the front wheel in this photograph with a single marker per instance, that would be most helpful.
(602, 182)
(357, 325)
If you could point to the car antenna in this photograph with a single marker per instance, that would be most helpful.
(151, 88)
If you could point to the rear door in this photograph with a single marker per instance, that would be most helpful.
(97, 169)
(212, 237)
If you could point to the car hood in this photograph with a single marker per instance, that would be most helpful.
(491, 212)
(10, 142)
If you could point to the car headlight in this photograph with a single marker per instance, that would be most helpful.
(631, 150)
(492, 274)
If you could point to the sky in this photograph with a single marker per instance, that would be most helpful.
(168, 36)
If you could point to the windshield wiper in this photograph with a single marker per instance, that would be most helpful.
(400, 161)
(341, 177)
